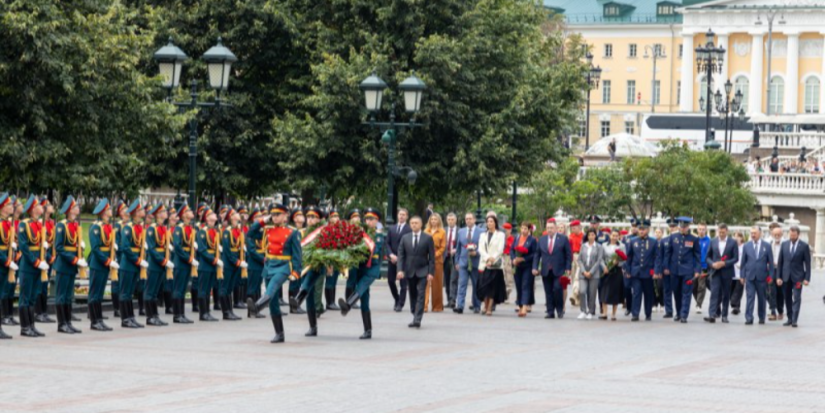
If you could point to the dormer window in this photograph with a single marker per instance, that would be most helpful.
(612, 11)
(615, 9)
(666, 9)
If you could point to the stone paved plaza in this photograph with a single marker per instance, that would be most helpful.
(454, 363)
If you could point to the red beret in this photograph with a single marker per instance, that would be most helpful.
(507, 225)
(549, 220)
(623, 232)
(607, 230)
(575, 223)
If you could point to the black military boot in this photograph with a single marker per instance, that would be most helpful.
(116, 305)
(238, 301)
(152, 318)
(256, 306)
(226, 308)
(9, 316)
(278, 323)
(205, 315)
(294, 310)
(62, 322)
(71, 318)
(131, 305)
(313, 323)
(3, 335)
(348, 304)
(3, 311)
(298, 299)
(32, 324)
(329, 293)
(141, 306)
(94, 321)
(216, 302)
(281, 301)
(26, 325)
(125, 321)
(365, 316)
(97, 309)
(167, 303)
(182, 306)
(195, 302)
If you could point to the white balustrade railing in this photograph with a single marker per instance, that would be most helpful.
(788, 183)
(791, 139)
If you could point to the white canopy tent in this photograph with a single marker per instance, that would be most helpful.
(627, 145)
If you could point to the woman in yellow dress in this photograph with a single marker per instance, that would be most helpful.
(435, 228)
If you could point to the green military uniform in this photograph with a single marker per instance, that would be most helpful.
(118, 228)
(255, 256)
(29, 244)
(41, 306)
(231, 240)
(295, 285)
(312, 281)
(208, 260)
(101, 240)
(183, 242)
(331, 283)
(130, 248)
(7, 232)
(68, 260)
(361, 279)
(157, 243)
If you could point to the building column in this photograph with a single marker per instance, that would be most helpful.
(819, 247)
(723, 77)
(756, 80)
(792, 75)
(821, 79)
(686, 94)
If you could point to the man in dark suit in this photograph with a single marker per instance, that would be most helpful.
(394, 235)
(793, 271)
(723, 254)
(416, 262)
(757, 267)
(556, 258)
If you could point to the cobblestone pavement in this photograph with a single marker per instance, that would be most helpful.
(465, 363)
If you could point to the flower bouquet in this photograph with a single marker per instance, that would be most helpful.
(619, 258)
(340, 245)
(521, 251)
(471, 252)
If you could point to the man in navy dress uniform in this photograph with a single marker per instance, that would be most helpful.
(685, 257)
(640, 268)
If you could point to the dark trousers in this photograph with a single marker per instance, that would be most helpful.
(524, 285)
(127, 280)
(755, 290)
(399, 296)
(642, 288)
(65, 288)
(449, 267)
(418, 289)
(97, 284)
(736, 292)
(776, 298)
(154, 279)
(682, 291)
(720, 294)
(181, 276)
(667, 287)
(553, 294)
(793, 300)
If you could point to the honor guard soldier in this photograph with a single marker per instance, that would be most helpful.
(354, 218)
(239, 292)
(140, 286)
(209, 262)
(255, 257)
(68, 250)
(166, 297)
(157, 252)
(640, 267)
(665, 269)
(368, 271)
(193, 291)
(298, 220)
(122, 218)
(7, 247)
(313, 279)
(686, 262)
(8, 285)
(314, 217)
(184, 246)
(232, 240)
(30, 243)
(283, 261)
(132, 263)
(101, 262)
(41, 313)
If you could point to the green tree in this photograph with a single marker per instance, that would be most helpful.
(76, 114)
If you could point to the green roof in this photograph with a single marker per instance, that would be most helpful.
(600, 12)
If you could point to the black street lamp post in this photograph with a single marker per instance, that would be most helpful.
(592, 74)
(709, 59)
(725, 106)
(219, 61)
(413, 90)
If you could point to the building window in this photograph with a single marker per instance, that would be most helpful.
(582, 127)
(631, 92)
(630, 127)
(608, 50)
(678, 92)
(681, 50)
(657, 49)
(605, 128)
(605, 91)
(742, 85)
(812, 95)
(777, 95)
(665, 10)
(612, 11)
(632, 50)
(657, 92)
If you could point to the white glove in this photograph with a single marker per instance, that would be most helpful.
(220, 248)
(244, 264)
(195, 245)
(195, 263)
(220, 263)
(43, 266)
(145, 246)
(45, 245)
(144, 264)
(116, 247)
(170, 265)
(13, 266)
(171, 248)
(114, 265)
(82, 263)
(14, 245)
(244, 248)
(83, 244)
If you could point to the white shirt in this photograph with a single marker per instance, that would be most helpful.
(775, 247)
(737, 268)
(400, 228)
(590, 249)
(722, 244)
(416, 236)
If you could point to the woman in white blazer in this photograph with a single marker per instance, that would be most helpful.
(491, 288)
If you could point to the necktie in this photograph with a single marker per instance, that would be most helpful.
(470, 235)
(415, 241)
(450, 240)
(550, 247)
(793, 248)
